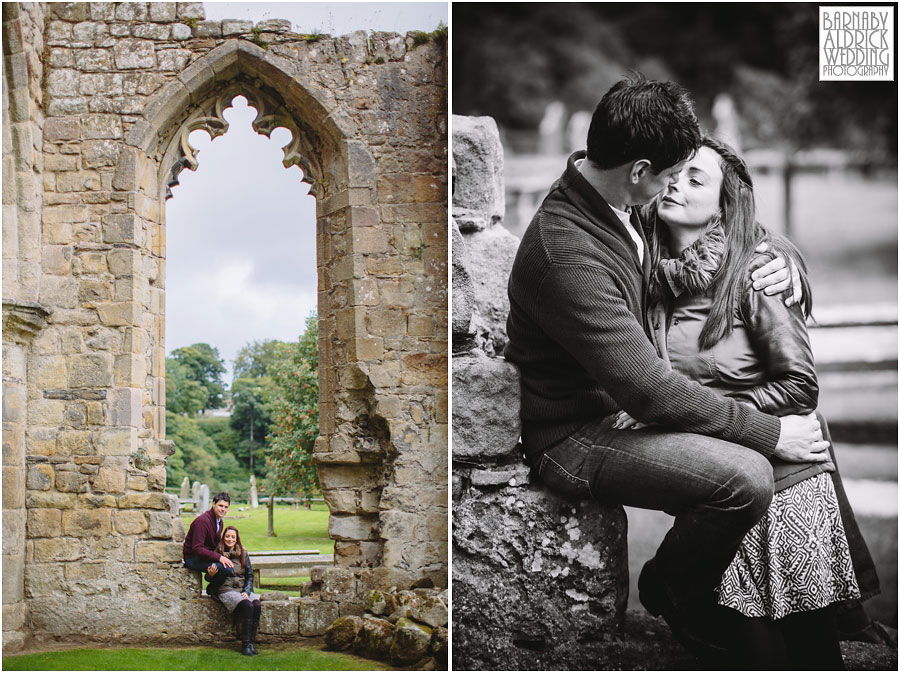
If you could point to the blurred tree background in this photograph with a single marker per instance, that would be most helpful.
(764, 55)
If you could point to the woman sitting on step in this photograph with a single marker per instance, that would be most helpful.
(236, 592)
(780, 593)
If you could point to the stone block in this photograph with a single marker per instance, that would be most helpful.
(279, 618)
(122, 228)
(118, 314)
(47, 371)
(116, 442)
(314, 616)
(57, 549)
(58, 292)
(41, 477)
(338, 584)
(44, 523)
(73, 443)
(130, 523)
(62, 128)
(424, 369)
(162, 11)
(99, 126)
(173, 59)
(463, 291)
(181, 31)
(72, 11)
(485, 407)
(350, 528)
(478, 193)
(65, 214)
(92, 263)
(152, 31)
(341, 634)
(50, 499)
(109, 480)
(132, 11)
(411, 642)
(62, 82)
(100, 153)
(161, 552)
(190, 10)
(235, 27)
(147, 501)
(374, 638)
(44, 579)
(569, 565)
(90, 371)
(161, 525)
(100, 84)
(124, 262)
(85, 523)
(71, 482)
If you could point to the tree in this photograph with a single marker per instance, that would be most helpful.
(254, 358)
(251, 399)
(196, 455)
(184, 395)
(203, 365)
(295, 417)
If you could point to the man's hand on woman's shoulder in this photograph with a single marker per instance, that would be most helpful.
(778, 276)
(801, 440)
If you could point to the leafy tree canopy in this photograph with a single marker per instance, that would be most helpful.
(254, 358)
(295, 417)
(202, 364)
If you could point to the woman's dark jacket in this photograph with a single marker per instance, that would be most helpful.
(765, 362)
(242, 580)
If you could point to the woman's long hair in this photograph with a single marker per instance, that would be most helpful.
(742, 234)
(238, 547)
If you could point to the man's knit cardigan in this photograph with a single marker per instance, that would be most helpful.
(577, 330)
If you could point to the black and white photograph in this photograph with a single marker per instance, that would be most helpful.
(674, 336)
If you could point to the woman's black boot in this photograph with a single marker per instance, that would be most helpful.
(256, 612)
(246, 628)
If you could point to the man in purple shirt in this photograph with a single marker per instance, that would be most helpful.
(203, 537)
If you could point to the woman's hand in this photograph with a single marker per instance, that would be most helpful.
(624, 422)
(212, 570)
(244, 597)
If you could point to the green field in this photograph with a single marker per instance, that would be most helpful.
(276, 657)
(299, 528)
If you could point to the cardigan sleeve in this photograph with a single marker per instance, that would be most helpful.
(780, 338)
(583, 308)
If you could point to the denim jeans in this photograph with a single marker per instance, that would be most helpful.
(716, 491)
(201, 564)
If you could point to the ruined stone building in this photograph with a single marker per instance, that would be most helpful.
(98, 102)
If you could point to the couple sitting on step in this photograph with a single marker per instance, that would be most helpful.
(216, 549)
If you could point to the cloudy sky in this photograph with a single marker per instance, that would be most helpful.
(240, 231)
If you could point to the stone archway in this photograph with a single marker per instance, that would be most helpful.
(125, 83)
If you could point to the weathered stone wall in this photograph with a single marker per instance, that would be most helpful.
(535, 577)
(99, 99)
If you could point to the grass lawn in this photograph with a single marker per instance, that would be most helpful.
(275, 657)
(299, 528)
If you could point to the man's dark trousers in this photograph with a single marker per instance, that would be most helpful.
(716, 490)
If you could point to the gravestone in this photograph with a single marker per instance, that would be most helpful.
(185, 488)
(254, 496)
(204, 499)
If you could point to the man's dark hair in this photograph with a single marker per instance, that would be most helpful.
(643, 119)
(221, 495)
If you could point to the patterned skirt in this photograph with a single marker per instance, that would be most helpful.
(230, 599)
(795, 559)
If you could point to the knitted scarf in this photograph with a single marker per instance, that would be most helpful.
(694, 269)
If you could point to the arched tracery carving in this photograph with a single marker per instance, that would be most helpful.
(209, 117)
